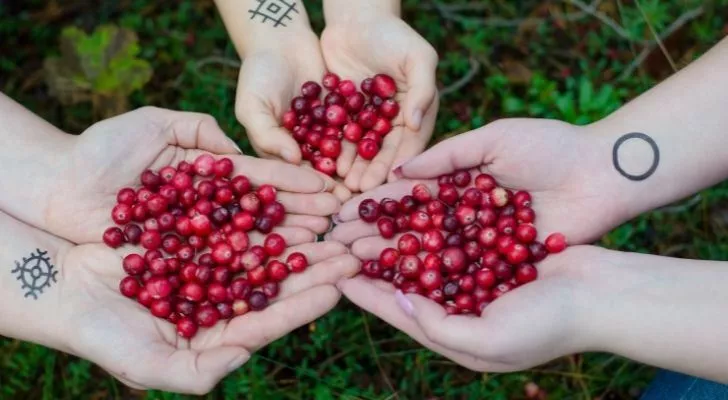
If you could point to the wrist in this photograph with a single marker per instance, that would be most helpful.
(344, 11)
(284, 43)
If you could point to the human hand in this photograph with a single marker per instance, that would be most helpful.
(561, 165)
(535, 323)
(369, 42)
(113, 153)
(145, 352)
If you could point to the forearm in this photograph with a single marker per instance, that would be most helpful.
(253, 26)
(31, 156)
(662, 311)
(30, 308)
(686, 118)
(336, 10)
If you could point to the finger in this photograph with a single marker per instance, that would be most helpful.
(395, 190)
(327, 272)
(256, 329)
(348, 232)
(353, 178)
(292, 235)
(378, 298)
(370, 248)
(420, 67)
(342, 192)
(346, 158)
(318, 225)
(467, 150)
(316, 252)
(283, 176)
(319, 204)
(414, 142)
(378, 169)
(191, 371)
(457, 332)
(192, 130)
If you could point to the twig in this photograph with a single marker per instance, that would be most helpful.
(376, 356)
(656, 36)
(449, 12)
(676, 209)
(464, 80)
(592, 10)
(677, 24)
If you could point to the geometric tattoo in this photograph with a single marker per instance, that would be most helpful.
(655, 156)
(36, 273)
(274, 10)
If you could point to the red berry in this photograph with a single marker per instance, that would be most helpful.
(129, 287)
(453, 259)
(465, 303)
(258, 301)
(386, 227)
(126, 196)
(465, 215)
(555, 243)
(522, 199)
(150, 240)
(353, 132)
(240, 184)
(277, 271)
(134, 264)
(331, 81)
(336, 115)
(369, 210)
(158, 287)
(161, 308)
(371, 269)
(485, 278)
(485, 183)
(367, 118)
(347, 88)
(433, 241)
(200, 224)
(300, 105)
(420, 221)
(204, 165)
(121, 214)
(274, 245)
(311, 90)
(297, 262)
(389, 108)
(239, 289)
(133, 233)
(384, 86)
(461, 178)
(267, 194)
(207, 316)
(430, 280)
(506, 225)
(408, 244)
(466, 283)
(192, 291)
(330, 147)
(525, 215)
(367, 85)
(410, 266)
(526, 233)
(432, 261)
(290, 119)
(334, 98)
(526, 273)
(382, 126)
(499, 196)
(538, 251)
(355, 102)
(367, 149)
(186, 328)
(517, 253)
(150, 180)
(448, 194)
(421, 193)
(388, 258)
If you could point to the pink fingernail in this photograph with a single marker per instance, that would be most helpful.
(404, 303)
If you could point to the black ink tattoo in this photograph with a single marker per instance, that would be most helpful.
(655, 156)
(276, 11)
(36, 273)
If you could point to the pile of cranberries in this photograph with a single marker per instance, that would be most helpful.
(363, 118)
(463, 248)
(199, 266)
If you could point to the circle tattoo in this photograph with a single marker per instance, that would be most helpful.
(655, 156)
(36, 273)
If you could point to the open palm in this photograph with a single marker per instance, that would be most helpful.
(144, 351)
(367, 46)
(113, 153)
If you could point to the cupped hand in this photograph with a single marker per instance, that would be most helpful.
(561, 165)
(145, 352)
(113, 153)
(368, 44)
(531, 325)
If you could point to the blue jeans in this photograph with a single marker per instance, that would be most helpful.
(669, 385)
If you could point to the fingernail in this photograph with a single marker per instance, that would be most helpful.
(238, 362)
(337, 220)
(397, 171)
(417, 119)
(240, 151)
(404, 303)
(287, 155)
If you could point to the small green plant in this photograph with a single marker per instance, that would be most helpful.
(102, 68)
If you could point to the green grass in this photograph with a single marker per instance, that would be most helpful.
(531, 62)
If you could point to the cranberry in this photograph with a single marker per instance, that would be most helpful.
(207, 316)
(129, 286)
(433, 241)
(334, 99)
(240, 307)
(525, 215)
(369, 210)
(504, 243)
(257, 276)
(326, 165)
(134, 264)
(200, 224)
(450, 289)
(388, 258)
(465, 303)
(158, 287)
(472, 250)
(499, 196)
(264, 224)
(132, 233)
(150, 240)
(384, 86)
(113, 237)
(465, 215)
(382, 126)
(432, 261)
(366, 85)
(367, 118)
(244, 221)
(267, 194)
(503, 270)
(538, 251)
(522, 199)
(485, 183)
(454, 240)
(258, 301)
(311, 90)
(430, 280)
(386, 227)
(277, 271)
(450, 223)
(372, 269)
(490, 258)
(389, 108)
(420, 221)
(297, 262)
(555, 243)
(448, 194)
(526, 273)
(150, 180)
(485, 278)
(506, 225)
(355, 102)
(225, 310)
(461, 178)
(241, 185)
(300, 105)
(408, 244)
(353, 132)
(289, 120)
(367, 149)
(186, 328)
(421, 193)
(161, 308)
(192, 291)
(401, 222)
(517, 253)
(331, 81)
(466, 283)
(526, 233)
(158, 266)
(453, 259)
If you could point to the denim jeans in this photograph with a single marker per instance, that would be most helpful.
(669, 385)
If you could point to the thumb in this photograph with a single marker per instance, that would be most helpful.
(198, 372)
(266, 134)
(464, 151)
(421, 91)
(190, 130)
